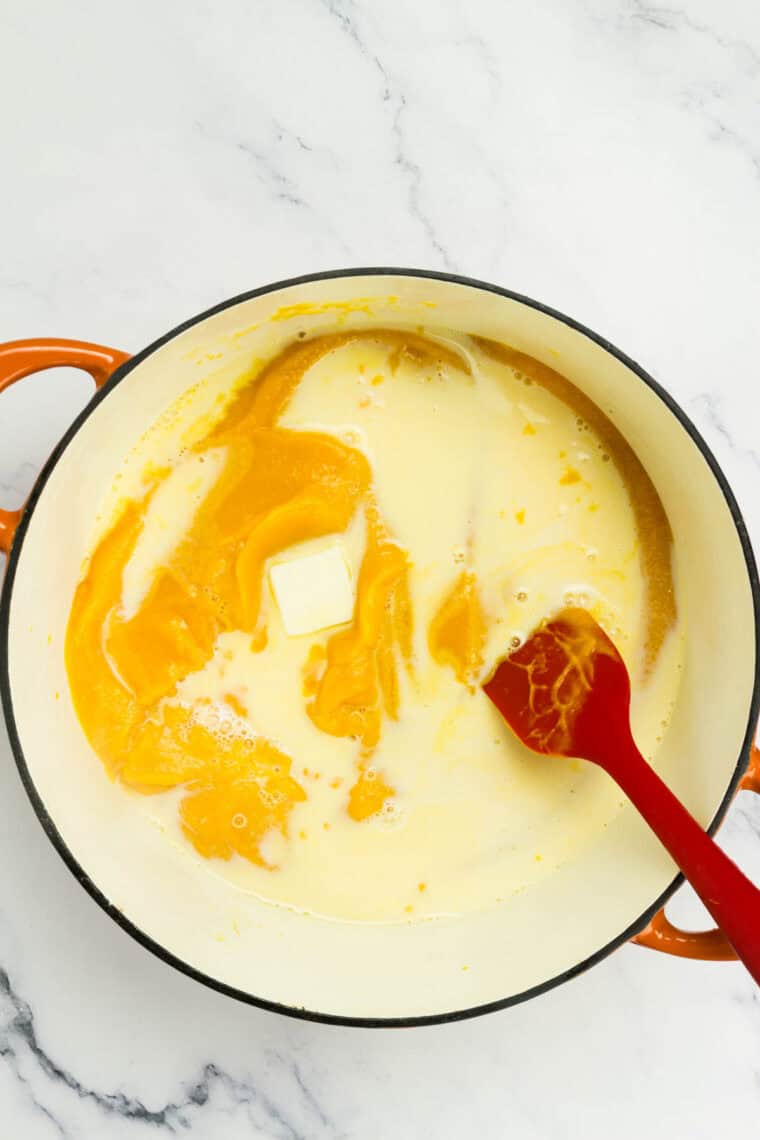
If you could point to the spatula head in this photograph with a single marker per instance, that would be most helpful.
(566, 690)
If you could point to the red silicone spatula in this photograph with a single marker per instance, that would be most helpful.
(566, 692)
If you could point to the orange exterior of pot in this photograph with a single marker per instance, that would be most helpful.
(19, 358)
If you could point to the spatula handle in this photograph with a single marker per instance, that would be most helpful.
(730, 897)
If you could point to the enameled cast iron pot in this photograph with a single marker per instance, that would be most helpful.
(364, 974)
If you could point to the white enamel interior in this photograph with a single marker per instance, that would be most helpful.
(365, 970)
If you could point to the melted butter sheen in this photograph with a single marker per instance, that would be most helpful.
(170, 681)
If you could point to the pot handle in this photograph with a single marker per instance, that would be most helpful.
(19, 358)
(708, 945)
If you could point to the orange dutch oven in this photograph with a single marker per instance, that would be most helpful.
(613, 891)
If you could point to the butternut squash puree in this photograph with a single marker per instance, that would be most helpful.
(458, 631)
(278, 488)
(474, 491)
(352, 681)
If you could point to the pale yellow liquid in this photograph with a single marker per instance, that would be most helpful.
(486, 472)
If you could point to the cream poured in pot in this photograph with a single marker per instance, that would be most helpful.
(359, 772)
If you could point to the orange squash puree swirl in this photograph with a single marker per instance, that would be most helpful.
(277, 487)
(457, 633)
(351, 682)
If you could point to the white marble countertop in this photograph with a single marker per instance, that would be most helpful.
(600, 155)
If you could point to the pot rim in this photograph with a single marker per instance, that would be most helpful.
(148, 943)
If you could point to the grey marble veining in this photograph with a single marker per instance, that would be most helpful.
(294, 1115)
(601, 155)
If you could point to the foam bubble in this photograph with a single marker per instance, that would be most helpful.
(391, 812)
(578, 596)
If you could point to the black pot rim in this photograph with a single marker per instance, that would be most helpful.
(46, 820)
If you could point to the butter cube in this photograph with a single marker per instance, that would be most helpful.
(313, 591)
